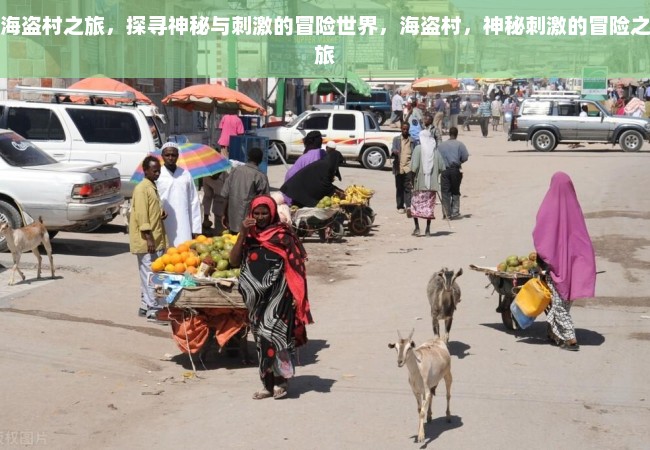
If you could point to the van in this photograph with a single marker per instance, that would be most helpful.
(92, 132)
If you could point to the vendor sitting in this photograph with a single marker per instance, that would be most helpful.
(314, 181)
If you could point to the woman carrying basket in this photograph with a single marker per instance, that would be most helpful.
(273, 284)
(565, 250)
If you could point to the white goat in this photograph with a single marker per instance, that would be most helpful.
(427, 365)
(444, 295)
(27, 238)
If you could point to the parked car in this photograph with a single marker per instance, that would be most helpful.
(379, 104)
(68, 195)
(356, 133)
(69, 131)
(549, 120)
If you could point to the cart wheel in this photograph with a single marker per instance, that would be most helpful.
(360, 225)
(506, 315)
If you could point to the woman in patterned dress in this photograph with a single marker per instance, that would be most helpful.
(565, 250)
(273, 284)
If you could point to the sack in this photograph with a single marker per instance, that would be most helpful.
(533, 298)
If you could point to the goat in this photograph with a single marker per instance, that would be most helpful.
(27, 238)
(444, 295)
(125, 212)
(427, 365)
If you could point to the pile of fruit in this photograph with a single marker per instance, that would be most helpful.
(328, 202)
(357, 195)
(521, 264)
(188, 256)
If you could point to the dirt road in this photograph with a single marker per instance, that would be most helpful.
(81, 370)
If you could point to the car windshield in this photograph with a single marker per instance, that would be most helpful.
(296, 119)
(19, 152)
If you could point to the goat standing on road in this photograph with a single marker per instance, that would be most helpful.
(427, 365)
(27, 238)
(444, 295)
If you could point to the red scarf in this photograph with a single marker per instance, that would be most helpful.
(280, 239)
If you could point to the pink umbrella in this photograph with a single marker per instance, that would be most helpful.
(108, 84)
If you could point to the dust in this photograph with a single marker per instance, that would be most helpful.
(331, 261)
(634, 302)
(626, 214)
(640, 336)
(107, 323)
(622, 250)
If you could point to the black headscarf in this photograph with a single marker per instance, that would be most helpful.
(314, 181)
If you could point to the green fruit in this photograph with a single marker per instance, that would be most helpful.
(236, 272)
(228, 246)
(202, 248)
(222, 264)
(221, 274)
(218, 244)
(533, 256)
(512, 260)
(204, 255)
(230, 274)
(224, 254)
(215, 254)
(502, 267)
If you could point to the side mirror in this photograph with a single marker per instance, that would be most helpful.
(301, 126)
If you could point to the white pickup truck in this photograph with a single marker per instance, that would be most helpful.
(356, 133)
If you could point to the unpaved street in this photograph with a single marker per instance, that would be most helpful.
(81, 370)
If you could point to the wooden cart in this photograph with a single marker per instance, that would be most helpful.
(201, 313)
(506, 284)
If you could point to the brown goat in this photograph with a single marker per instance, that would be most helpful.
(27, 238)
(444, 294)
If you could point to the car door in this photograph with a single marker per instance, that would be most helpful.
(317, 121)
(43, 127)
(345, 133)
(593, 128)
(565, 119)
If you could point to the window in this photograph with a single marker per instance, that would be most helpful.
(316, 122)
(379, 97)
(536, 108)
(371, 125)
(344, 122)
(356, 98)
(39, 124)
(567, 109)
(18, 152)
(105, 126)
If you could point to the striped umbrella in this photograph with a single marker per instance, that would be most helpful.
(198, 159)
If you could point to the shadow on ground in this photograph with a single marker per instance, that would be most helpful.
(536, 334)
(301, 384)
(88, 247)
(439, 425)
(458, 349)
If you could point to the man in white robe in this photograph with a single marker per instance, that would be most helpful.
(179, 197)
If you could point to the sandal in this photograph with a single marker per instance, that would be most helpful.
(570, 347)
(416, 232)
(259, 395)
(280, 391)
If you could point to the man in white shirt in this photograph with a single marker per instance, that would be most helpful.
(179, 197)
(397, 105)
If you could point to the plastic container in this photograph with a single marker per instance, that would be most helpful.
(523, 321)
(533, 297)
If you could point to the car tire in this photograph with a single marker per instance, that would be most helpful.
(273, 157)
(373, 158)
(380, 117)
(88, 227)
(10, 215)
(544, 141)
(631, 141)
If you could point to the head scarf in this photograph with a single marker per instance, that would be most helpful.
(427, 150)
(280, 239)
(562, 240)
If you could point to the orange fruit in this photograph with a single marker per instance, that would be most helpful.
(191, 269)
(201, 238)
(172, 250)
(184, 256)
(192, 261)
(169, 268)
(179, 268)
(166, 259)
(208, 241)
(183, 248)
(158, 265)
(176, 258)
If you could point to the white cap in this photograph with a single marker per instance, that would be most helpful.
(331, 144)
(169, 144)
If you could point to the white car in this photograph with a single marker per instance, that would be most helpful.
(68, 195)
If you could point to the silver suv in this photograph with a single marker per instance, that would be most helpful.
(551, 120)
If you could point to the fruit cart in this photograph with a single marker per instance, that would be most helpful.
(360, 218)
(214, 309)
(326, 222)
(506, 284)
